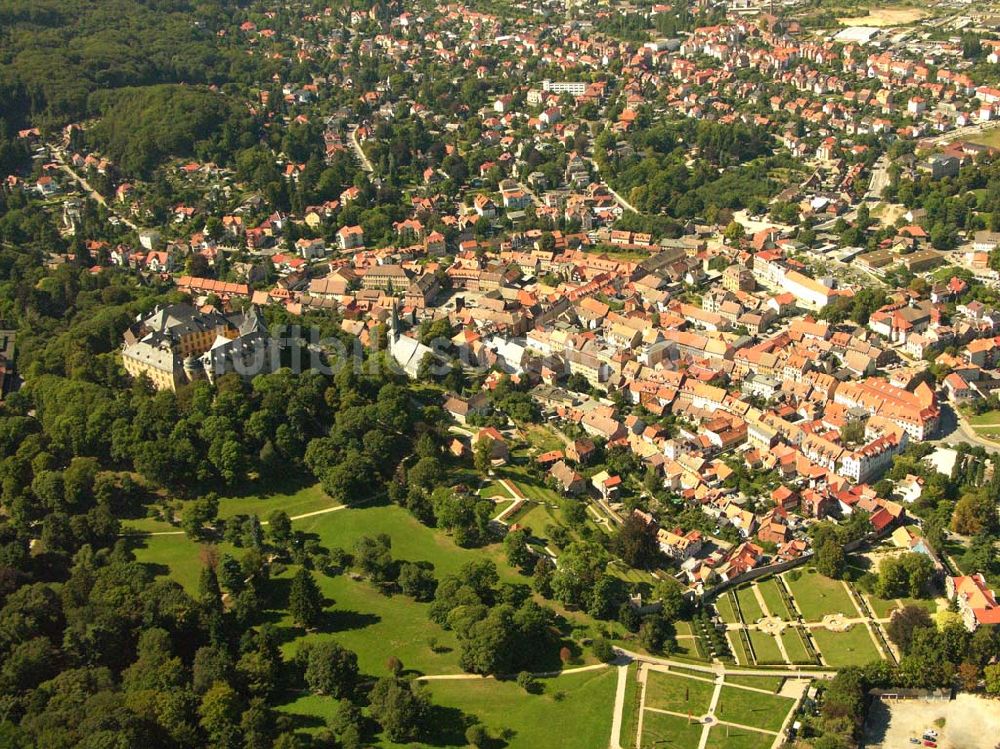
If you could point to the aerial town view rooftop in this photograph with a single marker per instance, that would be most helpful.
(540, 374)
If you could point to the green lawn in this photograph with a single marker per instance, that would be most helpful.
(295, 502)
(739, 650)
(542, 438)
(691, 672)
(412, 541)
(688, 648)
(772, 598)
(993, 431)
(851, 648)
(749, 604)
(530, 486)
(817, 596)
(730, 737)
(374, 626)
(574, 711)
(724, 605)
(678, 693)
(770, 683)
(360, 617)
(630, 715)
(765, 647)
(307, 499)
(752, 708)
(537, 516)
(930, 604)
(492, 491)
(987, 417)
(176, 555)
(671, 731)
(147, 525)
(990, 137)
(795, 647)
(882, 607)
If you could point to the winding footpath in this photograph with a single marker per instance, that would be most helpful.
(303, 516)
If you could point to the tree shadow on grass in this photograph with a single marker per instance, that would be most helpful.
(287, 483)
(445, 726)
(342, 620)
(330, 623)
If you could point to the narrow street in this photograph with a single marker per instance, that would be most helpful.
(64, 166)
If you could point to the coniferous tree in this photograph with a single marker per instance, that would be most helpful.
(305, 602)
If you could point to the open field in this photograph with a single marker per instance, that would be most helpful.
(669, 731)
(851, 648)
(412, 541)
(542, 438)
(574, 711)
(817, 595)
(791, 638)
(882, 607)
(724, 604)
(310, 498)
(885, 17)
(772, 598)
(772, 683)
(630, 715)
(986, 418)
(970, 722)
(752, 708)
(175, 555)
(678, 693)
(730, 737)
(765, 648)
(738, 648)
(990, 137)
(530, 486)
(307, 499)
(749, 604)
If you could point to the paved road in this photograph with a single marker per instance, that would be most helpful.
(621, 201)
(954, 429)
(619, 713)
(366, 163)
(61, 160)
(879, 180)
(531, 193)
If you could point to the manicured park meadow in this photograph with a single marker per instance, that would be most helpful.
(816, 595)
(659, 729)
(791, 638)
(295, 502)
(766, 648)
(854, 647)
(738, 648)
(724, 605)
(574, 711)
(773, 599)
(768, 683)
(678, 692)
(731, 737)
(749, 604)
(752, 708)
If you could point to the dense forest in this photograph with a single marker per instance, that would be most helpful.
(55, 53)
(97, 650)
(140, 127)
(674, 168)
